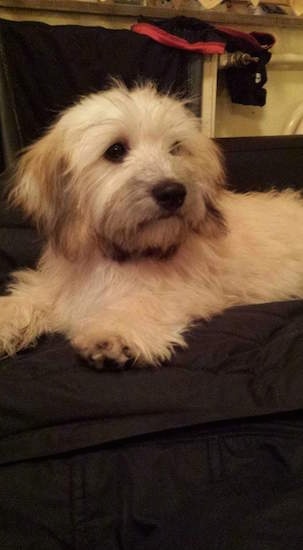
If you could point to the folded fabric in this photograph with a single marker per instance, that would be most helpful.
(245, 85)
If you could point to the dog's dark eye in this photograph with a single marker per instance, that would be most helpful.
(176, 148)
(116, 152)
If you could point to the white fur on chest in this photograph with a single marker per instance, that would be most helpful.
(81, 292)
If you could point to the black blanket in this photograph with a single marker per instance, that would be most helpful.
(204, 453)
(245, 363)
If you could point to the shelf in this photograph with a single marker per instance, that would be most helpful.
(133, 11)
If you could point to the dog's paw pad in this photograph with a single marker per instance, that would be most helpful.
(103, 346)
(109, 353)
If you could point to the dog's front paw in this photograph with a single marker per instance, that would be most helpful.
(122, 345)
(104, 351)
(9, 345)
(14, 324)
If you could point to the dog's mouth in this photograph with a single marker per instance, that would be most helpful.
(158, 238)
(159, 217)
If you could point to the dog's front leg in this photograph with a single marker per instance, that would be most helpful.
(24, 313)
(144, 335)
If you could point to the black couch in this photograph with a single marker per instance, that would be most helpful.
(205, 453)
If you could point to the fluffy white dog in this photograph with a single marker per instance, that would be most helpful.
(142, 237)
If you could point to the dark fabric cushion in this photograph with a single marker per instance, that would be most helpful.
(263, 163)
(245, 363)
(20, 244)
(229, 486)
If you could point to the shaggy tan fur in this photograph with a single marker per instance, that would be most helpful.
(120, 276)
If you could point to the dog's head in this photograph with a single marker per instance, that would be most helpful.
(126, 171)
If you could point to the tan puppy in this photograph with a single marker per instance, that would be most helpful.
(142, 237)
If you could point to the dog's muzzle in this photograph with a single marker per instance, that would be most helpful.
(169, 194)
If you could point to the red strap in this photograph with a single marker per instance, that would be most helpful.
(163, 37)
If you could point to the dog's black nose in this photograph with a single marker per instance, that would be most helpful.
(169, 194)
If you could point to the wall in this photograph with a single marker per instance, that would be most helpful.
(284, 94)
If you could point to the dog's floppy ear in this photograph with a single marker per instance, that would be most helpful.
(209, 165)
(43, 189)
(215, 220)
(39, 181)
